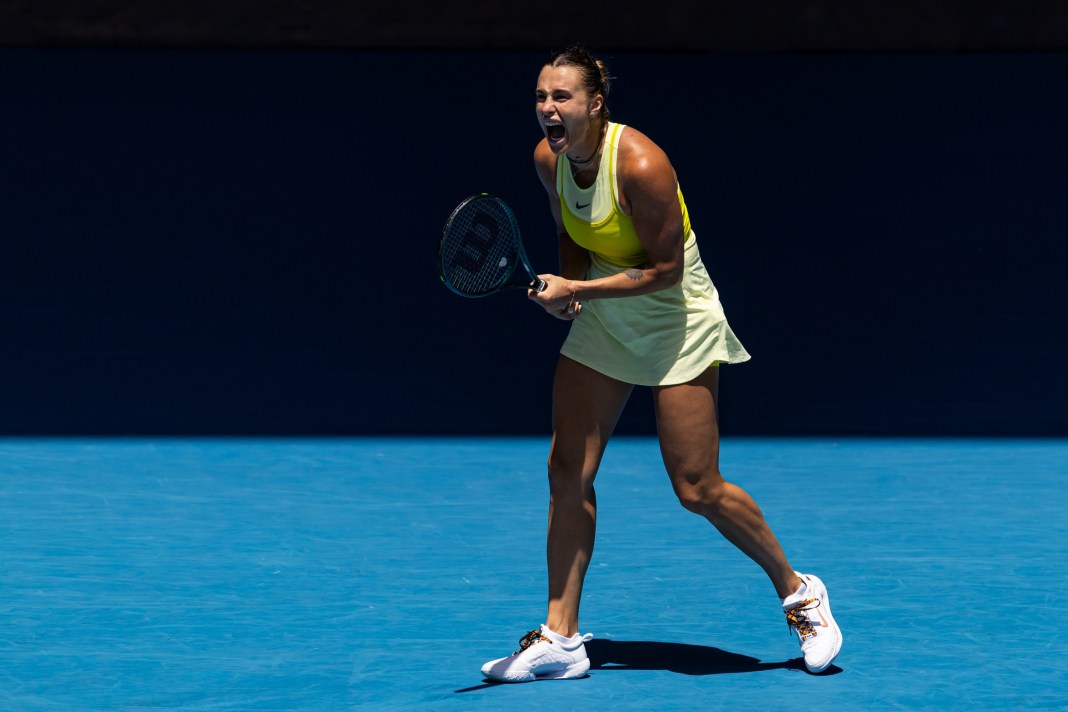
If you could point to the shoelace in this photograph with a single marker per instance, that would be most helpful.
(795, 618)
(530, 639)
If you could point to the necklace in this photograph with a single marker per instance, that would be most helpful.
(576, 169)
(585, 164)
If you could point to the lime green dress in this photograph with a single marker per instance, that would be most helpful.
(658, 339)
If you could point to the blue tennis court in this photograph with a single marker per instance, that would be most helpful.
(327, 574)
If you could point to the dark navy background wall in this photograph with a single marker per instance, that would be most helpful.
(243, 242)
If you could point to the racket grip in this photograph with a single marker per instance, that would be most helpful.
(538, 285)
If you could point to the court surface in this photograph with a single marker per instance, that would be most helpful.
(223, 574)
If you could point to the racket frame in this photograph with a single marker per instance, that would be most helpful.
(536, 284)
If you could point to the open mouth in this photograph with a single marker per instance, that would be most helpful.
(554, 130)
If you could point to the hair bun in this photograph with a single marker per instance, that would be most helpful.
(606, 79)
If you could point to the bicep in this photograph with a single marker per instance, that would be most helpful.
(649, 189)
(657, 218)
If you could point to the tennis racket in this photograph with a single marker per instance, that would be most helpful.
(480, 249)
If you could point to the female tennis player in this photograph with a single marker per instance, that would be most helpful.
(643, 312)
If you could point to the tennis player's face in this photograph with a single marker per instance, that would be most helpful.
(563, 108)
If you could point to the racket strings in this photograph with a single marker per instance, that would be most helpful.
(478, 250)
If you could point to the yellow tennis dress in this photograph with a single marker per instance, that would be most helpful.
(659, 339)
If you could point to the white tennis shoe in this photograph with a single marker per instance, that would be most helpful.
(808, 613)
(542, 655)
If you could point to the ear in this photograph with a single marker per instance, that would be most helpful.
(596, 104)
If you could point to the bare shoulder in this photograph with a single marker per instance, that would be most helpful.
(641, 159)
(643, 172)
(545, 164)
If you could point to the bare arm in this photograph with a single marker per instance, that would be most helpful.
(574, 260)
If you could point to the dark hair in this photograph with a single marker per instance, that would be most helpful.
(595, 77)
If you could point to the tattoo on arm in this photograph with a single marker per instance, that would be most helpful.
(636, 274)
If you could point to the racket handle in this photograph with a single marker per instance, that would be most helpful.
(538, 285)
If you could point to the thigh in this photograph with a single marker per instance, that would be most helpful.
(687, 423)
(586, 407)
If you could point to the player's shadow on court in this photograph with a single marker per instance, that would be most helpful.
(676, 657)
(612, 655)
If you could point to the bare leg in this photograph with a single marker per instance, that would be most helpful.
(586, 408)
(688, 425)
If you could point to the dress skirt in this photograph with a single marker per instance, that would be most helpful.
(659, 339)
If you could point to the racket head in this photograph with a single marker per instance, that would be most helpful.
(480, 247)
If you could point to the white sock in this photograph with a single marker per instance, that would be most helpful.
(556, 636)
(798, 595)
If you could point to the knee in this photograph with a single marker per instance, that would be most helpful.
(568, 480)
(703, 495)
